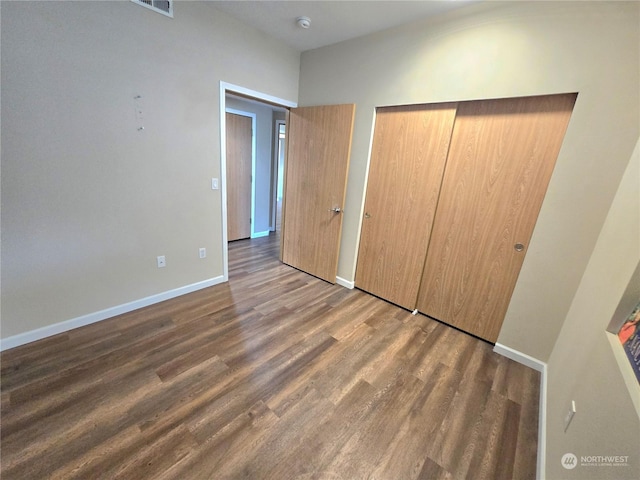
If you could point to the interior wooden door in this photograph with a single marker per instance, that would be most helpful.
(408, 156)
(318, 151)
(500, 161)
(239, 141)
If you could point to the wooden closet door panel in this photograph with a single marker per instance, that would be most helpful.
(239, 136)
(500, 161)
(408, 156)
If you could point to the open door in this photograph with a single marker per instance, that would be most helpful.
(318, 151)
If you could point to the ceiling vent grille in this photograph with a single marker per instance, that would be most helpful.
(164, 7)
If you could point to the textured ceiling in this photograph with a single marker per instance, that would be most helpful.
(331, 21)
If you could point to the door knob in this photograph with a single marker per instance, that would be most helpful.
(518, 247)
(336, 210)
(366, 215)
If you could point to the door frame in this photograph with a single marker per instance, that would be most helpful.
(276, 170)
(253, 117)
(230, 88)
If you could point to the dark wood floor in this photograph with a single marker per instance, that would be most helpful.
(275, 375)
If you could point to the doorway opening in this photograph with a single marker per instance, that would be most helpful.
(267, 171)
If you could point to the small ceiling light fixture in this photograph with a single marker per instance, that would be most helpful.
(303, 22)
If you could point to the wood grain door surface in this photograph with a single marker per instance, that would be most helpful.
(500, 161)
(239, 145)
(318, 151)
(408, 157)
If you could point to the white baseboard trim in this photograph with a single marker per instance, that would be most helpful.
(542, 426)
(519, 357)
(345, 283)
(541, 367)
(49, 330)
(260, 234)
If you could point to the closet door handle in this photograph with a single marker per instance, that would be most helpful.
(366, 215)
(336, 209)
(518, 247)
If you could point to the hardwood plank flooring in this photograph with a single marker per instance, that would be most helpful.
(273, 375)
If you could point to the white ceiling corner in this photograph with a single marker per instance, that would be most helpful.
(331, 21)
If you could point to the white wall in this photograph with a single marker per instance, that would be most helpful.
(88, 201)
(582, 366)
(497, 50)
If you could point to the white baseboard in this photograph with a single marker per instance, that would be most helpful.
(519, 357)
(49, 330)
(345, 283)
(541, 367)
(260, 234)
(542, 426)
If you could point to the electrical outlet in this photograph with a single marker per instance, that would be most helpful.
(161, 261)
(203, 252)
(569, 416)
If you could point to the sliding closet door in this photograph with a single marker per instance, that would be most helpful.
(501, 157)
(408, 157)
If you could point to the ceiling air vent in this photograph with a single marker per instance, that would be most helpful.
(164, 7)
